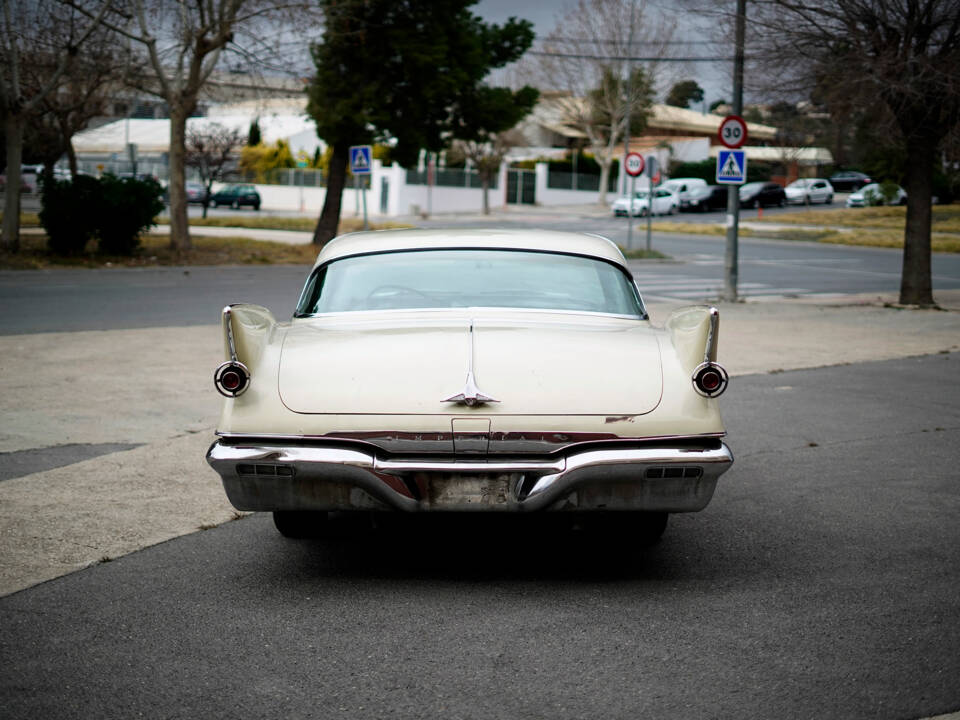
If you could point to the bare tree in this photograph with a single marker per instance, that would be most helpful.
(35, 34)
(88, 84)
(899, 60)
(208, 150)
(184, 41)
(487, 155)
(590, 54)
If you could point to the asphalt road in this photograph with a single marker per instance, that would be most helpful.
(822, 582)
(113, 298)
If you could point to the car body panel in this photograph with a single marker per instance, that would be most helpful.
(849, 180)
(761, 194)
(236, 195)
(683, 188)
(809, 191)
(358, 410)
(871, 195)
(709, 197)
(526, 359)
(665, 202)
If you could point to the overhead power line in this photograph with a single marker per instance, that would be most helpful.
(579, 56)
(599, 41)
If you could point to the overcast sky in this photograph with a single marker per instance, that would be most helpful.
(715, 78)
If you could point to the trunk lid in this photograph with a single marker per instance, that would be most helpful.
(533, 363)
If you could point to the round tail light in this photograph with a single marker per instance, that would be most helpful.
(232, 378)
(710, 379)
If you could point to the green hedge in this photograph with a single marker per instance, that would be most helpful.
(707, 170)
(113, 210)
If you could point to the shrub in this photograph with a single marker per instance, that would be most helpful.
(127, 207)
(114, 210)
(69, 213)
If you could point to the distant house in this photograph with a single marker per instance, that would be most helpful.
(672, 133)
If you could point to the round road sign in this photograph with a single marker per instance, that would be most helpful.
(733, 131)
(633, 164)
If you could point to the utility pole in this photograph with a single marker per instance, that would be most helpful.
(626, 139)
(731, 260)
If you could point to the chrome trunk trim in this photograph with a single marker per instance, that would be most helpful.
(470, 395)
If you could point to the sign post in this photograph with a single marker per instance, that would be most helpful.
(633, 164)
(732, 170)
(652, 172)
(361, 160)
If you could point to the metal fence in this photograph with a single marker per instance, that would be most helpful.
(296, 177)
(121, 168)
(450, 177)
(559, 180)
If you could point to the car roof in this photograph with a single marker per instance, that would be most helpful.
(379, 241)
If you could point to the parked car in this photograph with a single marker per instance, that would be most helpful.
(29, 180)
(683, 187)
(196, 192)
(237, 195)
(709, 197)
(849, 180)
(873, 195)
(664, 203)
(429, 370)
(762, 194)
(809, 191)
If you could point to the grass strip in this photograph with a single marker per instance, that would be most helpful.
(155, 251)
(945, 218)
(269, 222)
(946, 242)
(643, 254)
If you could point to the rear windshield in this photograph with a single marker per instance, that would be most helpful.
(469, 278)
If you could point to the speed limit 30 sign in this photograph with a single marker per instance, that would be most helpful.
(733, 131)
(633, 164)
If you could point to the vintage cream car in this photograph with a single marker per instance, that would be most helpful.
(476, 370)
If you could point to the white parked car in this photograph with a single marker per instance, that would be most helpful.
(684, 188)
(477, 370)
(872, 195)
(809, 191)
(664, 203)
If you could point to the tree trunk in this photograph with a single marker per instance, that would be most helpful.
(485, 184)
(72, 159)
(176, 187)
(11, 208)
(336, 177)
(605, 164)
(916, 287)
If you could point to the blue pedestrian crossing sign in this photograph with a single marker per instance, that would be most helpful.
(732, 167)
(361, 159)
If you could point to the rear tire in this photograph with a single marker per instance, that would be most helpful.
(300, 524)
(235, 205)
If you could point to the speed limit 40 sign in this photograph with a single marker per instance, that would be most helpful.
(633, 164)
(733, 131)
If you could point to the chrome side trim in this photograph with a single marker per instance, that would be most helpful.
(485, 308)
(713, 336)
(228, 324)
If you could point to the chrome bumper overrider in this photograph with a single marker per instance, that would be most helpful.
(263, 476)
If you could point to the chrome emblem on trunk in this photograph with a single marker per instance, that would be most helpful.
(471, 396)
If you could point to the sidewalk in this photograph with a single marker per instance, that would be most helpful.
(63, 519)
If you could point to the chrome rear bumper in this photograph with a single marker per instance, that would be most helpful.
(264, 476)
